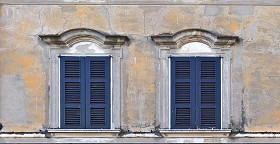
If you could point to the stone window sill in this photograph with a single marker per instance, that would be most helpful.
(195, 132)
(83, 132)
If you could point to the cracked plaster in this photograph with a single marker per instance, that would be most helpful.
(255, 71)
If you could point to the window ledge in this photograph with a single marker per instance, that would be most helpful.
(83, 132)
(195, 132)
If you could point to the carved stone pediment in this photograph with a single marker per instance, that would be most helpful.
(183, 37)
(73, 36)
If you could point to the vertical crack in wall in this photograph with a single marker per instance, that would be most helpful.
(40, 20)
(109, 19)
(242, 129)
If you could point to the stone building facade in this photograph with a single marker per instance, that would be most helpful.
(140, 38)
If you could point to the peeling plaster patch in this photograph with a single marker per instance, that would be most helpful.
(12, 99)
(6, 15)
(96, 48)
(127, 19)
(26, 26)
(212, 10)
(228, 23)
(52, 19)
(261, 46)
(176, 19)
(93, 17)
(85, 47)
(5, 40)
(139, 115)
(249, 31)
(195, 47)
(30, 71)
(268, 22)
(242, 10)
(23, 24)
(152, 18)
(262, 93)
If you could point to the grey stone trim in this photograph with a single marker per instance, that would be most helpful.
(143, 2)
(183, 37)
(196, 133)
(82, 130)
(238, 138)
(54, 98)
(73, 36)
(171, 45)
(84, 42)
(64, 133)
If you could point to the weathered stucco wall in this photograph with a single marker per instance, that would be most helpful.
(24, 70)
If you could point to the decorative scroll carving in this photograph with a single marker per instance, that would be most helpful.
(181, 38)
(71, 37)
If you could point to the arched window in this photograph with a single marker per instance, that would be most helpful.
(194, 83)
(85, 84)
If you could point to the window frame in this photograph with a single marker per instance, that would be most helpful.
(83, 42)
(55, 86)
(85, 82)
(171, 45)
(164, 96)
(195, 60)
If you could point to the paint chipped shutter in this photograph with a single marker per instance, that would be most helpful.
(209, 92)
(182, 93)
(72, 92)
(98, 92)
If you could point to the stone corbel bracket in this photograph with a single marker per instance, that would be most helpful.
(71, 37)
(181, 38)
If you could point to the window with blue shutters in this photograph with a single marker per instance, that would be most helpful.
(195, 92)
(85, 92)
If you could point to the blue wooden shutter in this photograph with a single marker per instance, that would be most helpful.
(72, 92)
(208, 87)
(182, 93)
(98, 92)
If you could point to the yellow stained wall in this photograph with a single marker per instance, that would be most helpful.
(24, 59)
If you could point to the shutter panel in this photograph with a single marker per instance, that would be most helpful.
(98, 92)
(182, 93)
(72, 93)
(209, 92)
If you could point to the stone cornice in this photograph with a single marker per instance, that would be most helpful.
(73, 36)
(181, 38)
(144, 2)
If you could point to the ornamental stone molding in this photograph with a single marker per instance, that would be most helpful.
(183, 37)
(73, 36)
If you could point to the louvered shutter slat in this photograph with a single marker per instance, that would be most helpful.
(182, 117)
(208, 117)
(72, 92)
(73, 116)
(208, 69)
(182, 69)
(98, 117)
(182, 92)
(97, 69)
(72, 68)
(208, 92)
(97, 92)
